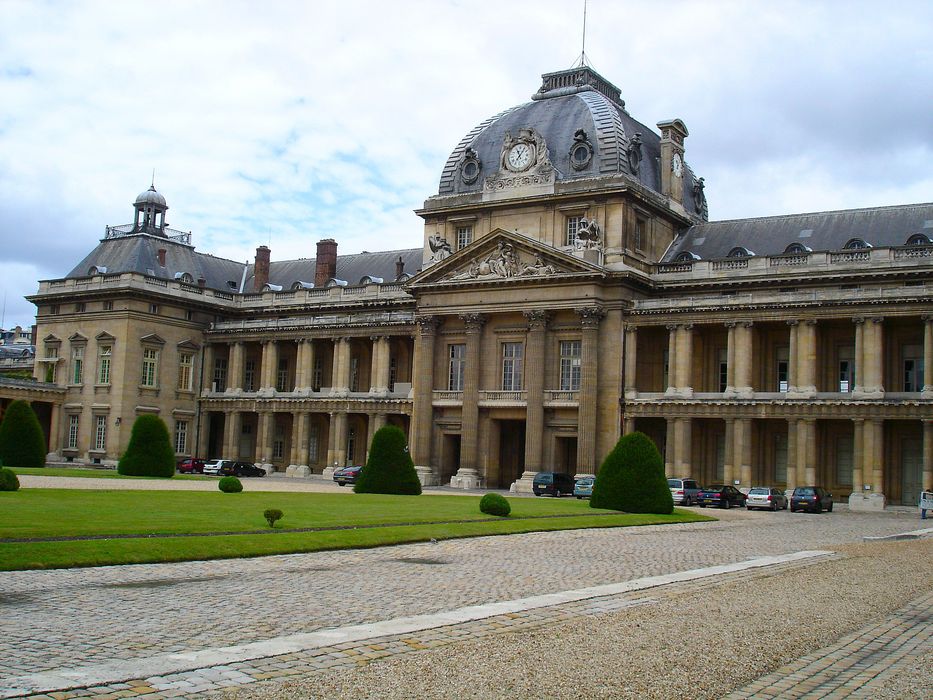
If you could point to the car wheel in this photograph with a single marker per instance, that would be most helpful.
(830, 509)
(702, 505)
(773, 506)
(748, 508)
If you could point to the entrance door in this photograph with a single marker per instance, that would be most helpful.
(911, 471)
(511, 451)
(450, 459)
(567, 455)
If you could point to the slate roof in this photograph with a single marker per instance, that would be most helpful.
(828, 230)
(608, 125)
(351, 268)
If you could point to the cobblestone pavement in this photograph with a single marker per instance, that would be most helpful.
(68, 618)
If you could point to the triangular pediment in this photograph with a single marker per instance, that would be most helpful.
(188, 344)
(104, 336)
(152, 339)
(51, 339)
(77, 338)
(505, 256)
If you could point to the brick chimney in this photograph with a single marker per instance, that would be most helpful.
(325, 265)
(161, 257)
(261, 268)
(399, 267)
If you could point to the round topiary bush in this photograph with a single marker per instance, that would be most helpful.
(8, 480)
(230, 484)
(494, 504)
(631, 478)
(150, 450)
(22, 442)
(389, 468)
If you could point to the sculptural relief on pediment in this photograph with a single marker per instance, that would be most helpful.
(505, 262)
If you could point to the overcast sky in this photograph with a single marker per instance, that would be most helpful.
(286, 122)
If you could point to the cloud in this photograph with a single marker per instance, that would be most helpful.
(293, 121)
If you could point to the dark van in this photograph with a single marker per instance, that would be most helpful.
(552, 484)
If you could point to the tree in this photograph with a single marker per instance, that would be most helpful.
(150, 451)
(389, 468)
(22, 442)
(631, 478)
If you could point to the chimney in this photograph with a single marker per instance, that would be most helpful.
(261, 268)
(202, 282)
(673, 133)
(161, 257)
(325, 265)
(399, 267)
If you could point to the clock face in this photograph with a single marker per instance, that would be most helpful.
(677, 165)
(520, 156)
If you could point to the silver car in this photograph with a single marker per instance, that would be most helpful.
(767, 498)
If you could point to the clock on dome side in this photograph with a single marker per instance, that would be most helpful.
(520, 156)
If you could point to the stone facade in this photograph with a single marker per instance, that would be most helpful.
(569, 289)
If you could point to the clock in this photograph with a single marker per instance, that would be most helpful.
(519, 156)
(677, 165)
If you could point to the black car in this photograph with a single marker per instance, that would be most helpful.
(554, 484)
(241, 469)
(722, 495)
(347, 475)
(812, 499)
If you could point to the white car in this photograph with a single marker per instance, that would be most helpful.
(213, 466)
(766, 498)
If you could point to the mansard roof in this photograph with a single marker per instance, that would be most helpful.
(350, 268)
(828, 230)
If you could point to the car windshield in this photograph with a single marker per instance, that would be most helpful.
(674, 483)
(804, 491)
(584, 482)
(759, 492)
(716, 487)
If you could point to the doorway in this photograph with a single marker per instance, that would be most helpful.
(511, 451)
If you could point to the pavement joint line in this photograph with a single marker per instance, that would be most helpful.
(912, 535)
(94, 675)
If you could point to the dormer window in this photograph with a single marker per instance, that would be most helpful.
(856, 244)
(740, 252)
(797, 249)
(919, 239)
(369, 279)
(184, 277)
(269, 287)
(334, 282)
(299, 285)
(687, 257)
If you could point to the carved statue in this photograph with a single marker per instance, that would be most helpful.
(504, 262)
(440, 248)
(634, 152)
(699, 199)
(587, 234)
(539, 268)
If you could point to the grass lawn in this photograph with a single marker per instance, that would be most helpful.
(93, 473)
(48, 513)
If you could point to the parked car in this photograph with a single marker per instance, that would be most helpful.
(231, 468)
(348, 475)
(767, 498)
(722, 495)
(213, 466)
(684, 491)
(191, 466)
(552, 484)
(583, 488)
(811, 498)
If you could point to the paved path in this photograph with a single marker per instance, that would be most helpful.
(68, 618)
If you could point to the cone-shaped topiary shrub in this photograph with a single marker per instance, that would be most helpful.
(150, 451)
(494, 504)
(271, 515)
(8, 480)
(631, 478)
(389, 468)
(22, 442)
(230, 484)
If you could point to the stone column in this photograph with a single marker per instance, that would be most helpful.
(670, 449)
(793, 459)
(468, 475)
(379, 381)
(534, 404)
(671, 359)
(207, 374)
(859, 372)
(301, 348)
(270, 365)
(422, 420)
(236, 367)
(743, 359)
(792, 357)
(631, 362)
(874, 447)
(685, 360)
(374, 422)
(204, 433)
(730, 459)
(872, 467)
(802, 452)
(332, 464)
(628, 425)
(730, 360)
(298, 440)
(806, 355)
(743, 452)
(927, 355)
(235, 421)
(811, 446)
(340, 437)
(873, 357)
(310, 357)
(684, 447)
(227, 448)
(858, 455)
(927, 483)
(587, 428)
(341, 373)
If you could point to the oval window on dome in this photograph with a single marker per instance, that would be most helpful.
(580, 155)
(469, 169)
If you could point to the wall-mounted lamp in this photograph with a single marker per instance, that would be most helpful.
(117, 421)
(867, 487)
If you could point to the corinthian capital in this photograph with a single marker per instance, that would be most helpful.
(428, 324)
(537, 319)
(590, 316)
(473, 322)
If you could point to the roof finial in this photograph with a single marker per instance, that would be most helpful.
(581, 62)
(152, 186)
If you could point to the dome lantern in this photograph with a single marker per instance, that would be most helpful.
(150, 212)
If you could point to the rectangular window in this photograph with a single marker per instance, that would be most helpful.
(512, 356)
(313, 444)
(783, 365)
(108, 306)
(51, 354)
(181, 437)
(317, 375)
(573, 226)
(100, 433)
(185, 371)
(53, 310)
(77, 365)
(665, 369)
(464, 236)
(153, 308)
(281, 377)
(150, 367)
(249, 376)
(278, 444)
(73, 421)
(103, 364)
(639, 236)
(80, 307)
(570, 364)
(723, 365)
(354, 374)
(913, 368)
(393, 372)
(457, 363)
(220, 374)
(351, 445)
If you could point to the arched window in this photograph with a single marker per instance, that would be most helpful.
(269, 287)
(334, 282)
(919, 239)
(856, 244)
(184, 277)
(369, 279)
(797, 249)
(740, 252)
(686, 256)
(299, 285)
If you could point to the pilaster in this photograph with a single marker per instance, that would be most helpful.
(468, 475)
(422, 420)
(631, 362)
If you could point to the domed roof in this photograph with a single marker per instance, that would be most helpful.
(585, 128)
(150, 196)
